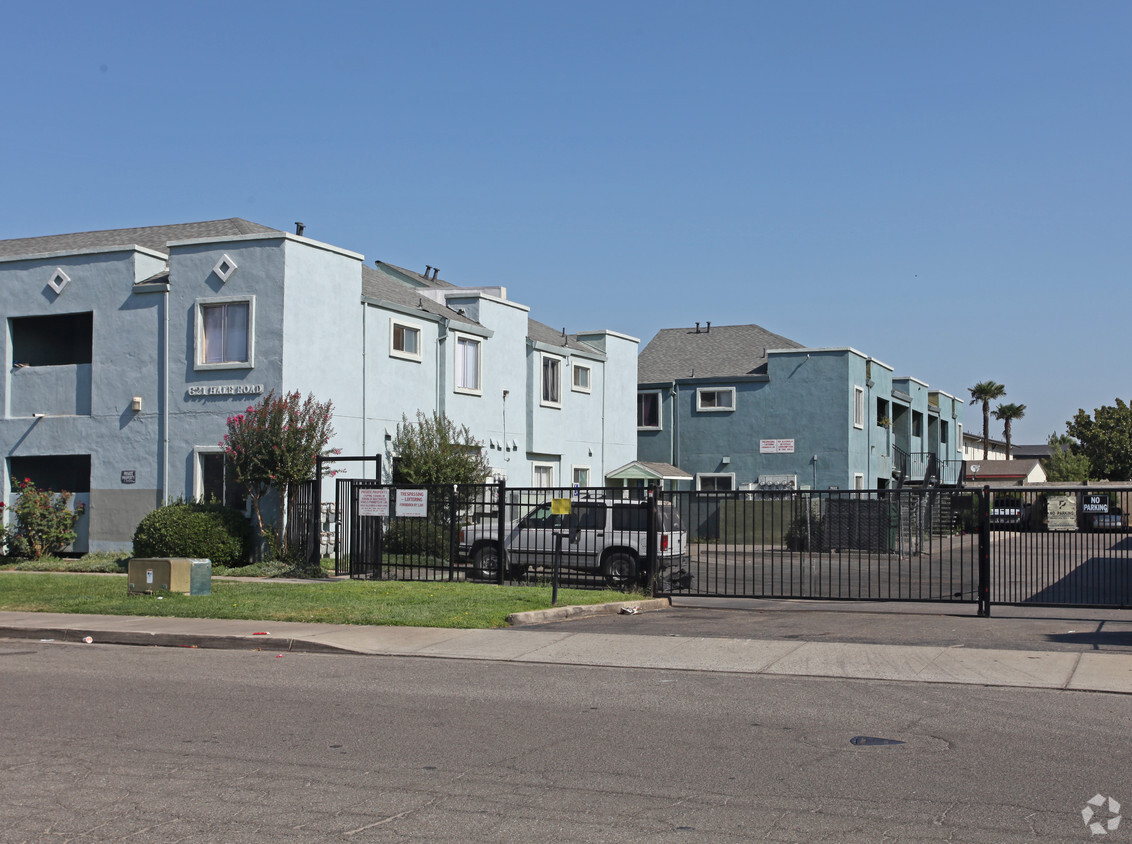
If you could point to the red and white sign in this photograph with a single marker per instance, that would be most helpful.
(373, 502)
(776, 446)
(412, 503)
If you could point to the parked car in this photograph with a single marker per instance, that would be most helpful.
(611, 540)
(1112, 520)
(1009, 513)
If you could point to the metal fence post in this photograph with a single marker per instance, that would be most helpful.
(651, 543)
(502, 531)
(453, 531)
(984, 552)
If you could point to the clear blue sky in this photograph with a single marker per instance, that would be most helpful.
(944, 186)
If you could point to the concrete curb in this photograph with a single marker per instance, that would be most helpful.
(172, 640)
(521, 619)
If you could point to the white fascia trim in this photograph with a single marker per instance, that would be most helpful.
(294, 238)
(605, 332)
(910, 378)
(447, 296)
(829, 350)
(105, 250)
(557, 351)
(587, 354)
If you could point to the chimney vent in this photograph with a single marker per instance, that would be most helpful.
(427, 270)
(299, 228)
(435, 272)
(697, 328)
(709, 327)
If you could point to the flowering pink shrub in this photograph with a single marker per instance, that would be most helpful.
(274, 444)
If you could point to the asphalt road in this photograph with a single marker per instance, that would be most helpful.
(111, 743)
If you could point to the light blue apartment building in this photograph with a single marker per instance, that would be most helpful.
(739, 407)
(126, 350)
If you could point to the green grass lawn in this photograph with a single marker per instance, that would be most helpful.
(339, 602)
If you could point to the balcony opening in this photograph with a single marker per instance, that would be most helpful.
(57, 340)
(54, 472)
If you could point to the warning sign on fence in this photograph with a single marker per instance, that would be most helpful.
(412, 503)
(373, 502)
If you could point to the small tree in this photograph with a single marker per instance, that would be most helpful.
(45, 525)
(1063, 466)
(1105, 438)
(433, 450)
(272, 445)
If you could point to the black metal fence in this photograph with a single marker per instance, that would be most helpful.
(1055, 547)
(877, 546)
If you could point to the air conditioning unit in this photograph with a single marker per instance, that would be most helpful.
(145, 575)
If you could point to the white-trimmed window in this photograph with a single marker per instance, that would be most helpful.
(551, 381)
(581, 476)
(404, 340)
(468, 364)
(214, 479)
(648, 411)
(959, 437)
(715, 482)
(858, 407)
(580, 378)
(715, 399)
(225, 333)
(542, 475)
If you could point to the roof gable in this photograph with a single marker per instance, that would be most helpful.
(717, 351)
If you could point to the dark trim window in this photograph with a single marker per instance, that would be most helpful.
(648, 410)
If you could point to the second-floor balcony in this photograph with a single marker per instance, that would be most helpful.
(925, 467)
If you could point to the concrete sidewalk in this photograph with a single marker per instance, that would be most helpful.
(1090, 671)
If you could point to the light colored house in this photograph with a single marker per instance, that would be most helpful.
(740, 407)
(973, 447)
(1005, 472)
(128, 349)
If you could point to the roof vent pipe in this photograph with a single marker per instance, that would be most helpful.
(697, 328)
(427, 270)
(435, 272)
(709, 327)
(299, 228)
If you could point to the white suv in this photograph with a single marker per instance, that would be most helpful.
(612, 540)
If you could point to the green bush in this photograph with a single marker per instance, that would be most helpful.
(414, 537)
(190, 529)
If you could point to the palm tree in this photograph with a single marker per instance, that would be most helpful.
(1007, 413)
(984, 393)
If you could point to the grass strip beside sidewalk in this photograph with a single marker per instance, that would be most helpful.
(463, 605)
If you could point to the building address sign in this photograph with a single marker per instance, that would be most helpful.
(226, 390)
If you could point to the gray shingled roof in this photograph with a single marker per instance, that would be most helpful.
(394, 289)
(156, 238)
(722, 350)
(378, 284)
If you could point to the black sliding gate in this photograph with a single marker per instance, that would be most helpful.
(1039, 547)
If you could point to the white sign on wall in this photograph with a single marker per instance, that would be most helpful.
(776, 446)
(412, 503)
(373, 502)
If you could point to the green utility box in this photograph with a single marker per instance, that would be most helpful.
(169, 574)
